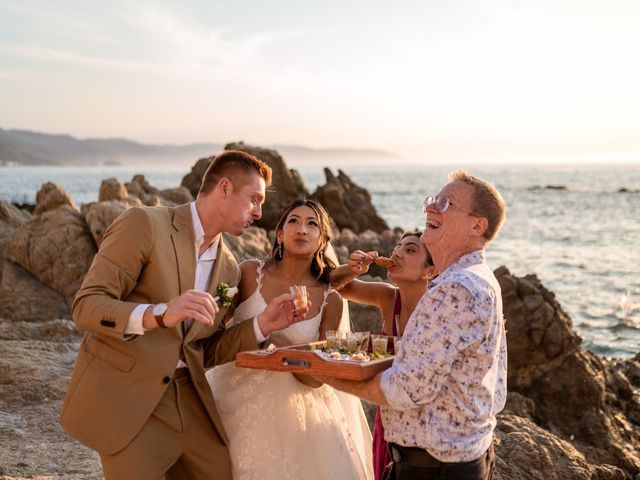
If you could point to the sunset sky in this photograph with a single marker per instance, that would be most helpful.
(431, 81)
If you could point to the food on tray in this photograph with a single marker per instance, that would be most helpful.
(384, 262)
(360, 356)
(379, 355)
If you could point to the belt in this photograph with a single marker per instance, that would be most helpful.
(414, 456)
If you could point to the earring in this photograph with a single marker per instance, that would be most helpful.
(279, 252)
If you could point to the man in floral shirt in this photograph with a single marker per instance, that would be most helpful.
(441, 396)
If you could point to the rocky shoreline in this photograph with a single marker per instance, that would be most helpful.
(570, 414)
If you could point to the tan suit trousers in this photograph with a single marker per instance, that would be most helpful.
(178, 441)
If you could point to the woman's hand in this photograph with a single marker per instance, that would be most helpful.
(360, 261)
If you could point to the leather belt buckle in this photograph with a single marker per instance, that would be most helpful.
(414, 456)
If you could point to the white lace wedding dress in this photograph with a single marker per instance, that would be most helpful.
(279, 428)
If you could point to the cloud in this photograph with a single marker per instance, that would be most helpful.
(150, 40)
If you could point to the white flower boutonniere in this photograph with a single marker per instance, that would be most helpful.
(225, 294)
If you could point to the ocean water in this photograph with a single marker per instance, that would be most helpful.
(582, 240)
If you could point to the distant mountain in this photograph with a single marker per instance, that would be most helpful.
(295, 155)
(23, 147)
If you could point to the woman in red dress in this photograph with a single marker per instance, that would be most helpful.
(411, 270)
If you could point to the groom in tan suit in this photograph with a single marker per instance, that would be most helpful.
(138, 394)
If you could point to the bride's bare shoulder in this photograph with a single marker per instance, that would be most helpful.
(250, 265)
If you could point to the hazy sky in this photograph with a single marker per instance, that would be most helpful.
(529, 80)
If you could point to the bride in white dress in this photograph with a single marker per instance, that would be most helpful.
(281, 426)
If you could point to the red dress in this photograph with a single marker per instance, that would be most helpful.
(381, 455)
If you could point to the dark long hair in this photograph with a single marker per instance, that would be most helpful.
(418, 234)
(321, 266)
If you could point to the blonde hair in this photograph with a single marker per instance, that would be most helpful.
(233, 164)
(487, 201)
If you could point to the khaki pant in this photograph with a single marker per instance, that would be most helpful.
(178, 441)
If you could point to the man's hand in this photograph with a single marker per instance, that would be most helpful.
(191, 304)
(280, 313)
(360, 261)
(369, 390)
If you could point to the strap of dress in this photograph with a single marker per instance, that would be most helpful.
(397, 307)
(260, 274)
(324, 300)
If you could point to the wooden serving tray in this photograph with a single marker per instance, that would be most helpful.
(299, 359)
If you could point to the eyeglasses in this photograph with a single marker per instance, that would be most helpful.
(441, 204)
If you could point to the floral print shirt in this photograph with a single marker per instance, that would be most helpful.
(449, 379)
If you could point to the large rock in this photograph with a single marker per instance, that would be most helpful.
(23, 297)
(365, 318)
(539, 332)
(112, 189)
(524, 451)
(286, 186)
(192, 180)
(348, 204)
(576, 395)
(139, 187)
(253, 243)
(176, 196)
(11, 218)
(56, 247)
(102, 214)
(51, 197)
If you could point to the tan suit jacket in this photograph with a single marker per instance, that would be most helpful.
(147, 256)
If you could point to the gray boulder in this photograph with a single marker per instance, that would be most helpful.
(140, 188)
(11, 218)
(24, 297)
(348, 204)
(56, 247)
(253, 243)
(576, 395)
(176, 196)
(524, 451)
(100, 215)
(192, 180)
(51, 197)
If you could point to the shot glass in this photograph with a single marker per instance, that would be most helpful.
(379, 344)
(300, 292)
(397, 342)
(333, 340)
(365, 338)
(353, 342)
(342, 337)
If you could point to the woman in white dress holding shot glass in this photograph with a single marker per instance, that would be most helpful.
(280, 425)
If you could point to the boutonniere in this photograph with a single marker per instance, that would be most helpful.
(225, 294)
